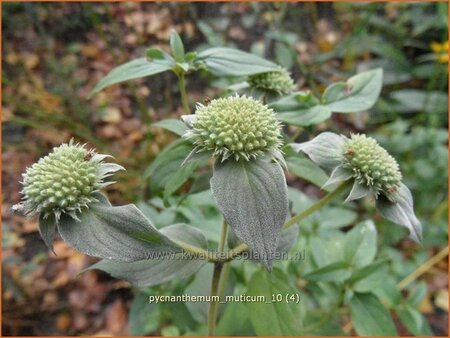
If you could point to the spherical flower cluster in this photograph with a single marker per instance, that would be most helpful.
(236, 126)
(64, 181)
(278, 81)
(371, 164)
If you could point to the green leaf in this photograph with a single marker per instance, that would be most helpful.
(273, 318)
(112, 233)
(306, 169)
(401, 212)
(253, 198)
(47, 228)
(325, 149)
(359, 93)
(232, 62)
(131, 70)
(414, 321)
(300, 109)
(160, 267)
(370, 317)
(335, 272)
(174, 125)
(176, 45)
(361, 244)
(144, 317)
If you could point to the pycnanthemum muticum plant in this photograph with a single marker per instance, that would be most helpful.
(278, 81)
(239, 127)
(373, 171)
(64, 181)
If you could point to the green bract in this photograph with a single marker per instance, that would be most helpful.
(371, 165)
(278, 81)
(64, 181)
(237, 126)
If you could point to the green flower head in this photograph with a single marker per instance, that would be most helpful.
(239, 127)
(278, 81)
(373, 172)
(371, 165)
(64, 181)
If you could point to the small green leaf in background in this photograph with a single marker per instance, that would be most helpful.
(304, 168)
(370, 317)
(162, 268)
(112, 233)
(143, 317)
(300, 109)
(359, 93)
(253, 199)
(361, 244)
(176, 45)
(335, 272)
(131, 70)
(232, 62)
(273, 318)
(413, 100)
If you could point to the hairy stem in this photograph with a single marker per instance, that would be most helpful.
(184, 99)
(216, 284)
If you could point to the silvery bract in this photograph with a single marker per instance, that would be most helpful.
(373, 170)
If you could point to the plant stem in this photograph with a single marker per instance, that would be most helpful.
(184, 99)
(302, 215)
(423, 268)
(319, 204)
(216, 284)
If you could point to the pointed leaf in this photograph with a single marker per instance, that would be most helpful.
(119, 233)
(253, 198)
(131, 70)
(162, 267)
(401, 212)
(232, 62)
(47, 228)
(107, 169)
(174, 125)
(359, 93)
(176, 45)
(325, 149)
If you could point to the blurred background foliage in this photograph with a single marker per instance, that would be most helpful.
(53, 55)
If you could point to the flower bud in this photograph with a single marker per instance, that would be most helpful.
(64, 181)
(236, 126)
(278, 81)
(371, 164)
